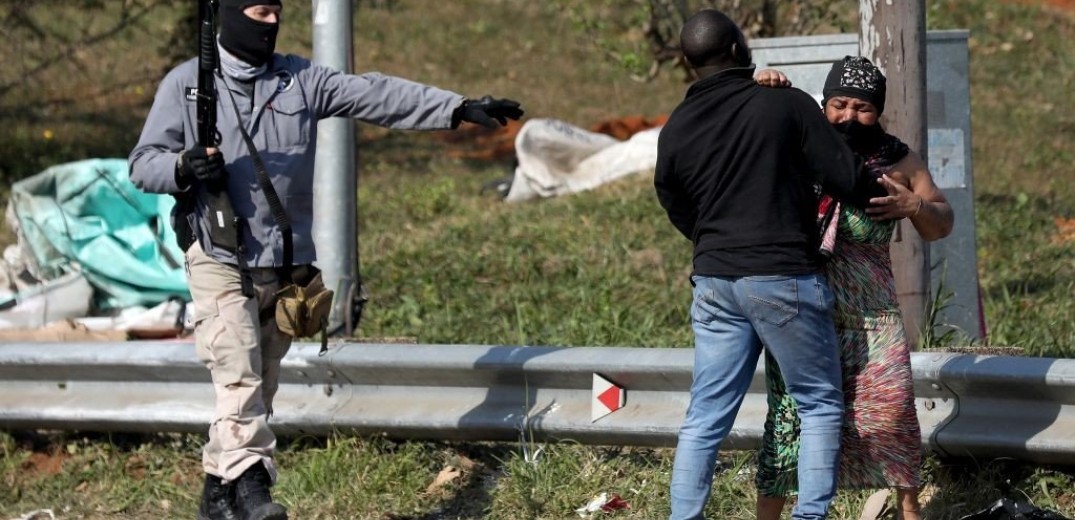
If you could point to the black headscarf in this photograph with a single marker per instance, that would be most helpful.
(856, 77)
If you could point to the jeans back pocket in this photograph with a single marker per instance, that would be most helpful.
(773, 299)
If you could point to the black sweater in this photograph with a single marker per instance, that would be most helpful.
(736, 168)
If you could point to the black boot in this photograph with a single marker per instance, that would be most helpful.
(252, 496)
(218, 500)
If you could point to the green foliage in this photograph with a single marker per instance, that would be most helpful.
(573, 271)
(937, 334)
(1028, 273)
(643, 35)
(363, 478)
(99, 477)
(376, 479)
(1021, 135)
(620, 38)
(1022, 164)
(69, 79)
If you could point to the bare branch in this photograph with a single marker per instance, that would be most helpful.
(130, 13)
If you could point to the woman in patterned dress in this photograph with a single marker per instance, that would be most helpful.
(881, 445)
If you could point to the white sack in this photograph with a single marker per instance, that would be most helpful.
(556, 158)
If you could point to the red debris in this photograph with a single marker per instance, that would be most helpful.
(615, 503)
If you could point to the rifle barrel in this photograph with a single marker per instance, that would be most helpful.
(207, 66)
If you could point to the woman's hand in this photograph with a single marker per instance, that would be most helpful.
(913, 195)
(772, 78)
(900, 202)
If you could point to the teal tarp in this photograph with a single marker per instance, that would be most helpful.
(89, 213)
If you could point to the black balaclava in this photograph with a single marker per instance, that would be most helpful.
(245, 38)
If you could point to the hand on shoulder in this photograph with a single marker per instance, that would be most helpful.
(772, 78)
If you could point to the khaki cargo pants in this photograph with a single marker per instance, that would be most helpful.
(243, 356)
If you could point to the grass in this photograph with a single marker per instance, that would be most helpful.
(1022, 168)
(345, 477)
(548, 290)
(446, 264)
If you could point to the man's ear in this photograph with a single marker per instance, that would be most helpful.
(741, 53)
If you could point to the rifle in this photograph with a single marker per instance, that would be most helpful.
(225, 227)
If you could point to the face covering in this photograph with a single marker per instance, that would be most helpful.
(860, 137)
(251, 41)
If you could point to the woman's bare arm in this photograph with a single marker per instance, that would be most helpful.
(912, 194)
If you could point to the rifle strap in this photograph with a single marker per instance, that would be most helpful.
(277, 208)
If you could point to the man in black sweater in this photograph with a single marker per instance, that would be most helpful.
(736, 168)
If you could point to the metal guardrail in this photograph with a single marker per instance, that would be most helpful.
(981, 406)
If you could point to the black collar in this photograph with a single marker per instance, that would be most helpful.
(723, 76)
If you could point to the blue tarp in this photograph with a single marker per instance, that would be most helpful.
(89, 213)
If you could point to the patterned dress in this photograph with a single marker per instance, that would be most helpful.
(881, 444)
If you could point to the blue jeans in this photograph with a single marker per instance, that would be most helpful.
(733, 318)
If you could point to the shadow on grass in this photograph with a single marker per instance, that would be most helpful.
(1008, 409)
(471, 498)
(965, 486)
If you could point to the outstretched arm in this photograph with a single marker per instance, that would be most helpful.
(399, 103)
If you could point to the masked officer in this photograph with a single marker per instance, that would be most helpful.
(278, 101)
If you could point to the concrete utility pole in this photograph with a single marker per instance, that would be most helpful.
(336, 177)
(892, 34)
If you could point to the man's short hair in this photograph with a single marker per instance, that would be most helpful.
(710, 37)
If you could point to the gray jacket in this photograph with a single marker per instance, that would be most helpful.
(289, 98)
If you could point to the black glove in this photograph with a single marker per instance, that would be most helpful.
(196, 164)
(485, 110)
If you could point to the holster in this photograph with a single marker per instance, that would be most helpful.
(184, 233)
(303, 307)
(223, 226)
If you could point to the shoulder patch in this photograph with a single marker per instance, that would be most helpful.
(286, 81)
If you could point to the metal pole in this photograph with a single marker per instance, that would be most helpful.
(335, 188)
(893, 36)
